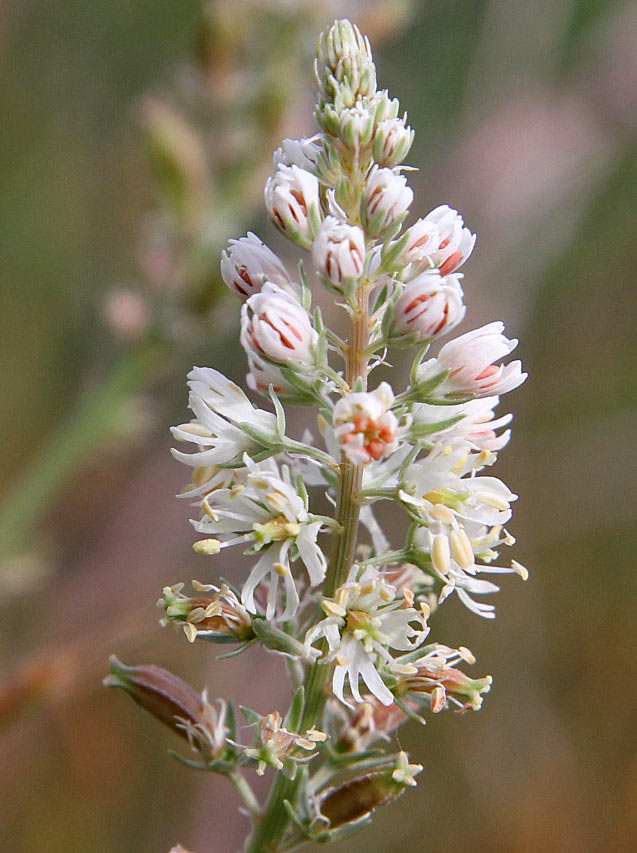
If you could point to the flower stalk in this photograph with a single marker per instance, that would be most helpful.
(353, 627)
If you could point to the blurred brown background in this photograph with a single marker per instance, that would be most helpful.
(525, 116)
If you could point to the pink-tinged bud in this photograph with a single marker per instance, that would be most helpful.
(275, 325)
(386, 202)
(339, 251)
(364, 425)
(429, 306)
(292, 201)
(451, 242)
(248, 263)
(263, 373)
(469, 360)
(392, 142)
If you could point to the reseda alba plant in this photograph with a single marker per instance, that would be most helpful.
(350, 618)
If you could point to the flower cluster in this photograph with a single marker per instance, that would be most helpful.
(360, 625)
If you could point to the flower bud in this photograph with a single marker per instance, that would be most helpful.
(303, 153)
(339, 251)
(429, 306)
(344, 68)
(356, 127)
(292, 201)
(392, 142)
(248, 263)
(440, 240)
(262, 374)
(386, 201)
(275, 325)
(469, 362)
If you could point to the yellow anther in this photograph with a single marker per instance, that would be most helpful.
(281, 569)
(213, 609)
(461, 548)
(190, 631)
(202, 587)
(208, 547)
(440, 554)
(466, 655)
(332, 608)
(196, 615)
(520, 569)
(442, 513)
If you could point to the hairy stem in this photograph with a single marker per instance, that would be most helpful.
(270, 831)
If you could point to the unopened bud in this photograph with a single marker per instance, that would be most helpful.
(386, 201)
(275, 325)
(429, 306)
(339, 251)
(292, 201)
(392, 142)
(248, 263)
(344, 68)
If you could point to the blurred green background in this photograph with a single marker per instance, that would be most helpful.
(525, 116)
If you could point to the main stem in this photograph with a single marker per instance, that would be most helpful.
(270, 831)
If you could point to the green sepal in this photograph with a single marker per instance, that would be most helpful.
(277, 640)
(251, 716)
(295, 713)
(417, 431)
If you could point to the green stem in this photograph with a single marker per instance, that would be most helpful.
(68, 448)
(270, 832)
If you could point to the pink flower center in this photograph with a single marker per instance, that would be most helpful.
(376, 436)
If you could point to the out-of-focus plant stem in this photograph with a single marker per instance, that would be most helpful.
(63, 453)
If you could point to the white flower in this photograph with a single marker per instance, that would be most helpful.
(273, 518)
(439, 240)
(453, 558)
(392, 141)
(303, 153)
(364, 426)
(339, 251)
(248, 263)
(439, 484)
(387, 199)
(275, 325)
(292, 201)
(470, 358)
(477, 425)
(220, 407)
(365, 619)
(429, 306)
